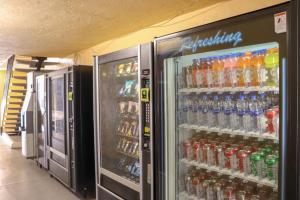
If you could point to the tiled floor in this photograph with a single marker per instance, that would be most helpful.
(21, 179)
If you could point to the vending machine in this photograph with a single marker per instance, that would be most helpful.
(40, 121)
(223, 99)
(70, 135)
(123, 124)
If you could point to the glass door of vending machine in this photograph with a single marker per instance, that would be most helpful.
(220, 109)
(40, 114)
(118, 125)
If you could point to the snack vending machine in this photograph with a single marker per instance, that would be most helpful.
(70, 138)
(221, 118)
(123, 123)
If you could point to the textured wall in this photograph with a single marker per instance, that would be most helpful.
(218, 11)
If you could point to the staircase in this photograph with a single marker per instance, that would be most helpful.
(14, 102)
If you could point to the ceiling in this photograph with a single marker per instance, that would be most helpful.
(60, 27)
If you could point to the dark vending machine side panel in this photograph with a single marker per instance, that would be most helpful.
(146, 61)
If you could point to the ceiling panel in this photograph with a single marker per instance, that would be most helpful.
(61, 27)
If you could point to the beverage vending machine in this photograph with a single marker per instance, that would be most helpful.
(221, 94)
(123, 124)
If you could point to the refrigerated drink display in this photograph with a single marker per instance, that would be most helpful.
(220, 130)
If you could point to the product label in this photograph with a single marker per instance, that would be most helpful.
(280, 22)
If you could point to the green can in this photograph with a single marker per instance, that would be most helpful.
(272, 167)
(256, 160)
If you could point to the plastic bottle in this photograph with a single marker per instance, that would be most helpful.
(204, 104)
(211, 117)
(233, 69)
(189, 77)
(190, 113)
(221, 115)
(200, 111)
(241, 105)
(261, 118)
(272, 67)
(203, 69)
(216, 109)
(248, 69)
(195, 110)
(228, 109)
(194, 73)
(183, 108)
(218, 71)
(227, 69)
(240, 67)
(199, 78)
(234, 118)
(256, 111)
(209, 72)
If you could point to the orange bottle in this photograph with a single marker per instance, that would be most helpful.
(244, 69)
(258, 73)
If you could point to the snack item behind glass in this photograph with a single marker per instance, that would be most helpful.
(128, 67)
(121, 69)
(135, 67)
(123, 107)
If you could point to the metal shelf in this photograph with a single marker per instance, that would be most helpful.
(231, 173)
(229, 89)
(230, 132)
(186, 196)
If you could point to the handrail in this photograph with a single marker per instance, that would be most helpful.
(9, 69)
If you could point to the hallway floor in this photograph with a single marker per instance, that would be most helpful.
(22, 179)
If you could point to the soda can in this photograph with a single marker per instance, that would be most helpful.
(210, 193)
(202, 141)
(218, 190)
(256, 164)
(229, 193)
(195, 183)
(206, 149)
(187, 150)
(220, 156)
(212, 153)
(229, 154)
(272, 167)
(242, 160)
(196, 151)
(247, 166)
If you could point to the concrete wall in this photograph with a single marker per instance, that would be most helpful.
(203, 16)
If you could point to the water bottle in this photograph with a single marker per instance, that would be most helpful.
(261, 118)
(195, 110)
(204, 108)
(255, 112)
(228, 109)
(234, 125)
(221, 115)
(200, 111)
(190, 113)
(216, 109)
(183, 109)
(241, 105)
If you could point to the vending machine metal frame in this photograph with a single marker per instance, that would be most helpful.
(289, 137)
(144, 53)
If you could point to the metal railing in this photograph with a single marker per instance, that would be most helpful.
(9, 71)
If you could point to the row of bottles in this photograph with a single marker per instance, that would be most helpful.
(251, 112)
(206, 185)
(247, 156)
(257, 68)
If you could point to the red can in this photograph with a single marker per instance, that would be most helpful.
(212, 153)
(187, 150)
(206, 149)
(270, 114)
(196, 151)
(229, 153)
(242, 160)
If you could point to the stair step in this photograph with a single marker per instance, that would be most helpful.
(10, 125)
(16, 96)
(18, 91)
(13, 106)
(14, 100)
(7, 121)
(19, 109)
(17, 88)
(19, 73)
(17, 84)
(15, 80)
(10, 130)
(12, 111)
